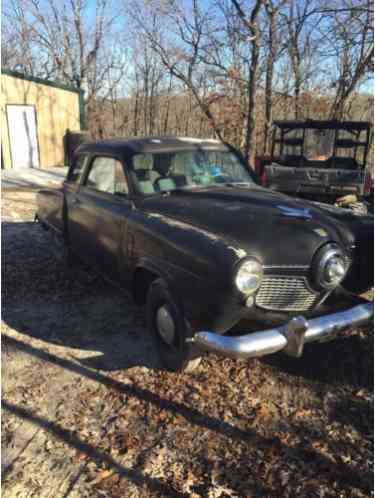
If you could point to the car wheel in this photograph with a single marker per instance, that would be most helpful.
(169, 329)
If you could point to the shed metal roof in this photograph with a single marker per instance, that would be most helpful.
(40, 81)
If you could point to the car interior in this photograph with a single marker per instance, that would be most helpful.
(164, 172)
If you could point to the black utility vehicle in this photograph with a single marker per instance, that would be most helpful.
(183, 225)
(318, 160)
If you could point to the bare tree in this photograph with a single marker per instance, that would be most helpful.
(181, 58)
(219, 68)
(299, 47)
(274, 48)
(351, 36)
(66, 40)
(251, 24)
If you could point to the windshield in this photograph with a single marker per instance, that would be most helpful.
(168, 171)
(319, 144)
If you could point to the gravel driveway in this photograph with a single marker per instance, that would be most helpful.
(87, 412)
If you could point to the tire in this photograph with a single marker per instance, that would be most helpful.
(169, 329)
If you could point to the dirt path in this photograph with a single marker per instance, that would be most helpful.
(88, 413)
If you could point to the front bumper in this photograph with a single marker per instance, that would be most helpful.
(289, 338)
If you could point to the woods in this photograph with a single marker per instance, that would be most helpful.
(221, 68)
(195, 249)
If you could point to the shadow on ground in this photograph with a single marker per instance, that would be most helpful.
(91, 328)
(347, 360)
(72, 307)
(76, 309)
(249, 439)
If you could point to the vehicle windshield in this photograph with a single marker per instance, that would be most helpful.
(169, 171)
(319, 144)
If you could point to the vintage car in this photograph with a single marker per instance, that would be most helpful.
(184, 226)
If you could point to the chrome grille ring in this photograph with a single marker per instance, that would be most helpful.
(285, 293)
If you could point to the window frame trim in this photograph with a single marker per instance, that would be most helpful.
(88, 168)
(72, 166)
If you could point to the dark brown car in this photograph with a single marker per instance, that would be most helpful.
(183, 225)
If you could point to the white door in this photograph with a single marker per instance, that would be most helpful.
(23, 136)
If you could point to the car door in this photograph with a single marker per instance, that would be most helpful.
(71, 191)
(98, 216)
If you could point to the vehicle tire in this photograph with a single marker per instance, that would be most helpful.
(169, 329)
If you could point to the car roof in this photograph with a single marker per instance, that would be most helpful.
(136, 145)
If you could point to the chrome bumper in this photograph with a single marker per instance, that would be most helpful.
(289, 338)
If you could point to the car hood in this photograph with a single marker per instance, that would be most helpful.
(258, 222)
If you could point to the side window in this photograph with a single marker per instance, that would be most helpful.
(77, 169)
(107, 175)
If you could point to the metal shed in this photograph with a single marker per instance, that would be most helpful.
(35, 114)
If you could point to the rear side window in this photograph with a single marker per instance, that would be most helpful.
(107, 175)
(77, 170)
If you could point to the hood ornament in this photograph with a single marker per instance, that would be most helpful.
(292, 212)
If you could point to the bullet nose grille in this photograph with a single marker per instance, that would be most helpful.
(283, 293)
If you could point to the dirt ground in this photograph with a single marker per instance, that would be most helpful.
(87, 412)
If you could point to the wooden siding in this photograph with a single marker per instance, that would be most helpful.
(56, 110)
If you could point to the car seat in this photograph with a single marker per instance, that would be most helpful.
(166, 181)
(143, 177)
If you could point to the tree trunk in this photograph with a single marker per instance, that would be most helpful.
(136, 112)
(250, 128)
(165, 129)
(252, 26)
(269, 80)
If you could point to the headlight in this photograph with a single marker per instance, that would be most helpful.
(335, 270)
(249, 276)
(330, 266)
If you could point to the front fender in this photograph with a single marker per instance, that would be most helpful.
(197, 265)
(195, 249)
(199, 298)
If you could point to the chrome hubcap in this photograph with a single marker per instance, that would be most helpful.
(165, 325)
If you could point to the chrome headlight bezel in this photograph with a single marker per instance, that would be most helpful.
(248, 276)
(329, 254)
